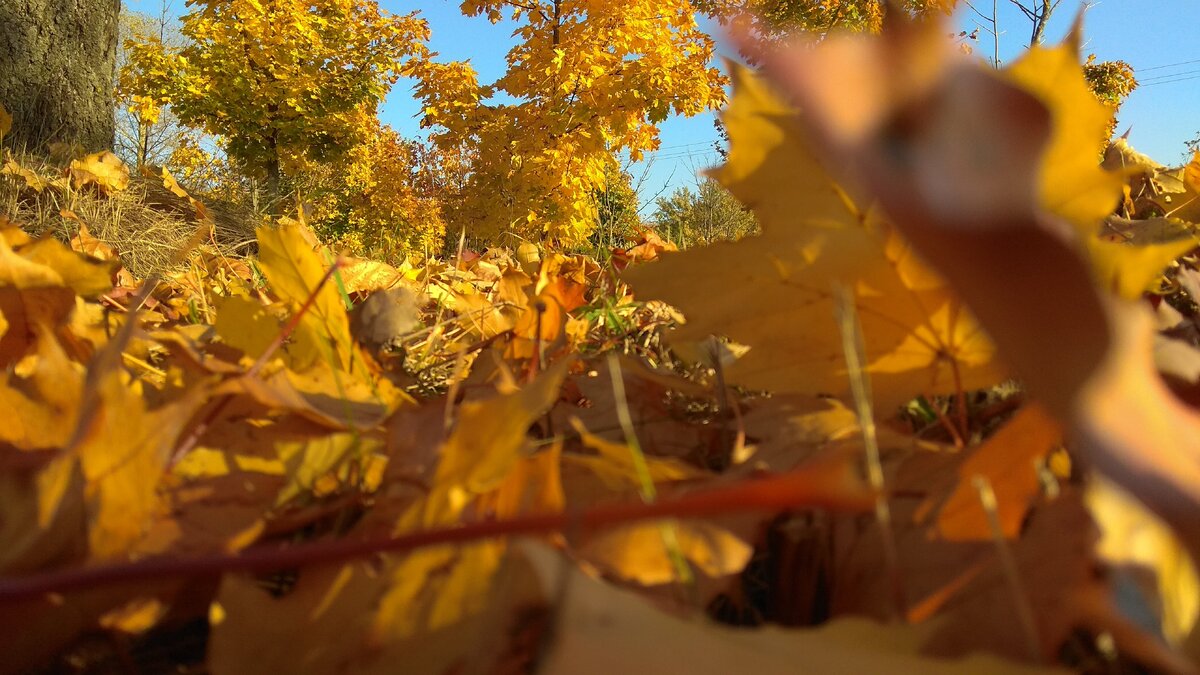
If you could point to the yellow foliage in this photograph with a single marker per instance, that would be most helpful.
(285, 83)
(381, 200)
(585, 81)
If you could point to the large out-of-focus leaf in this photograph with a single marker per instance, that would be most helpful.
(775, 292)
(1072, 183)
(1019, 268)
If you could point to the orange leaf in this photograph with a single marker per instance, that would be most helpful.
(1009, 461)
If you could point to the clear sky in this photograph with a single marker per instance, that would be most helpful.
(1159, 38)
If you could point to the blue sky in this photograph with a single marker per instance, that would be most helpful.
(1159, 38)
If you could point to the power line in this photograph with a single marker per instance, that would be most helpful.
(1181, 79)
(680, 156)
(1166, 65)
(681, 145)
(1169, 76)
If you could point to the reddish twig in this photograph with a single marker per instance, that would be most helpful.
(293, 322)
(828, 485)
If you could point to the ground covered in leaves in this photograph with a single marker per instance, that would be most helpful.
(535, 462)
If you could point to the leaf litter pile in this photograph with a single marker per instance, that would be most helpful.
(312, 464)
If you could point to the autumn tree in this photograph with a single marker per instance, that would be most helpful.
(381, 199)
(139, 140)
(56, 71)
(285, 83)
(617, 219)
(708, 214)
(585, 81)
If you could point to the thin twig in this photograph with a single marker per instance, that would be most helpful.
(987, 498)
(860, 388)
(817, 486)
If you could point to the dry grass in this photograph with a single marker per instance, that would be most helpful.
(146, 224)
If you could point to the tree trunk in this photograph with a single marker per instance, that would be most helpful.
(57, 60)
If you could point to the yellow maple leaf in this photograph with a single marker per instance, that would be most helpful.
(34, 263)
(774, 292)
(245, 324)
(103, 169)
(289, 258)
(1072, 183)
(123, 455)
(487, 442)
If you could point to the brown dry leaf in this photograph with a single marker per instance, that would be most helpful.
(1009, 461)
(657, 408)
(314, 629)
(43, 516)
(1185, 203)
(385, 317)
(787, 430)
(103, 169)
(33, 631)
(1136, 432)
(329, 623)
(223, 511)
(613, 463)
(603, 629)
(774, 292)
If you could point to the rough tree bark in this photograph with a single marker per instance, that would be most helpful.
(57, 60)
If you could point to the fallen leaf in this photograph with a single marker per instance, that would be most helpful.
(603, 629)
(1009, 461)
(103, 169)
(290, 262)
